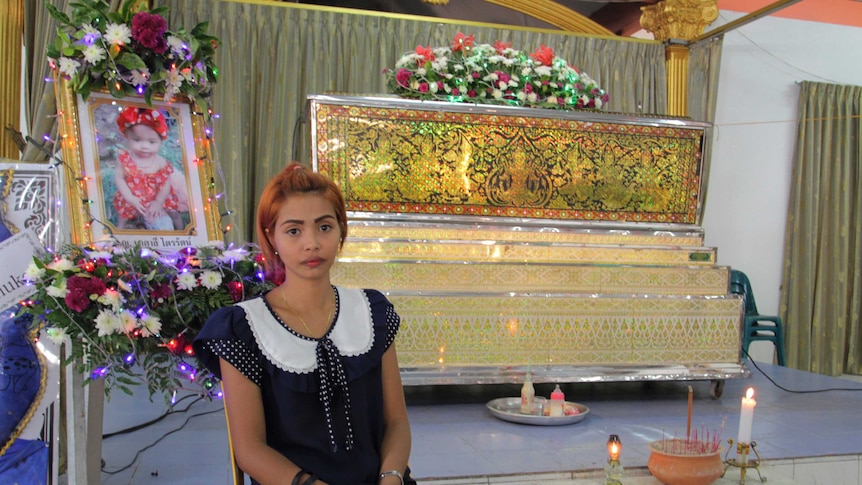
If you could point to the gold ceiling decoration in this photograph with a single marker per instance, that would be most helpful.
(678, 19)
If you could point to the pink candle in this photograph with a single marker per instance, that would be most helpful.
(746, 417)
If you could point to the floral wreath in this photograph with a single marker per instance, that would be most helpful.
(131, 314)
(132, 52)
(481, 73)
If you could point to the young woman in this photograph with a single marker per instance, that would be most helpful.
(309, 370)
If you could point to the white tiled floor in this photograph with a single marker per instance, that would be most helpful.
(803, 437)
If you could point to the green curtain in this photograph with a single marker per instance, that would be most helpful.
(821, 297)
(703, 68)
(275, 54)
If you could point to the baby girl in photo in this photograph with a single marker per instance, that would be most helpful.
(151, 194)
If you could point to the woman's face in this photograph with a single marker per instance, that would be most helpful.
(306, 236)
(143, 141)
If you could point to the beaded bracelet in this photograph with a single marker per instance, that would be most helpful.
(391, 472)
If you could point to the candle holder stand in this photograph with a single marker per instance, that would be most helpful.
(742, 462)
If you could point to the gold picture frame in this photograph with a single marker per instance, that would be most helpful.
(101, 168)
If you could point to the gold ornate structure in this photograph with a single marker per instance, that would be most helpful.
(11, 33)
(677, 22)
(512, 237)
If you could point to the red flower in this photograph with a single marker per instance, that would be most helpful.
(160, 290)
(462, 42)
(148, 30)
(543, 55)
(402, 76)
(426, 54)
(80, 289)
(500, 46)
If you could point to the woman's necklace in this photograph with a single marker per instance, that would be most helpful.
(301, 320)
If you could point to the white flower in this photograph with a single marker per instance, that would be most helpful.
(98, 254)
(551, 100)
(94, 54)
(502, 85)
(532, 97)
(173, 82)
(57, 335)
(150, 325)
(58, 289)
(111, 298)
(457, 67)
(432, 87)
(215, 243)
(61, 264)
(186, 281)
(91, 34)
(598, 102)
(68, 67)
(108, 323)
(497, 94)
(521, 95)
(128, 321)
(233, 255)
(543, 70)
(33, 273)
(140, 77)
(508, 62)
(177, 45)
(526, 71)
(118, 34)
(211, 279)
(421, 71)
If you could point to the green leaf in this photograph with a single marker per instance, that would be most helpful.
(200, 29)
(57, 15)
(130, 61)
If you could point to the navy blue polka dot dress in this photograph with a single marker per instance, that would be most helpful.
(322, 398)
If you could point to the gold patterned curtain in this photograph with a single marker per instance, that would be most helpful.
(275, 54)
(821, 298)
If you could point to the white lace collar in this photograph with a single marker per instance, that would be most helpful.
(352, 333)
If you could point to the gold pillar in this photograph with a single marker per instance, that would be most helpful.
(676, 23)
(11, 35)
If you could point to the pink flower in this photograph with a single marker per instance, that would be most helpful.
(423, 87)
(456, 92)
(148, 30)
(471, 93)
(503, 77)
(528, 88)
(160, 290)
(402, 76)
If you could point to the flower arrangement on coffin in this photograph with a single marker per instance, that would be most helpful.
(127, 310)
(498, 74)
(132, 53)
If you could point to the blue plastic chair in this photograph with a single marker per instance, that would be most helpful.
(756, 327)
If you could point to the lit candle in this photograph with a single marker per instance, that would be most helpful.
(746, 417)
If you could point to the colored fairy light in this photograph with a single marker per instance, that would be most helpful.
(129, 359)
(140, 89)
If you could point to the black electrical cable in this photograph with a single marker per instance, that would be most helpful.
(770, 379)
(154, 420)
(154, 443)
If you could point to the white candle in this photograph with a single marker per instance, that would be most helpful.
(746, 417)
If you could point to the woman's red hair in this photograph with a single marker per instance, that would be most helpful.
(294, 179)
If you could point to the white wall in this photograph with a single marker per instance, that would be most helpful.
(753, 146)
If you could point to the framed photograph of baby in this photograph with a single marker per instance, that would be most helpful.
(138, 173)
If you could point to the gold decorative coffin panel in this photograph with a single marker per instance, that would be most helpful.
(531, 278)
(571, 254)
(452, 232)
(453, 159)
(482, 330)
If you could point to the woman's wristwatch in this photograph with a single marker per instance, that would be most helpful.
(391, 472)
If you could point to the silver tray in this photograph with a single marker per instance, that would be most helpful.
(509, 409)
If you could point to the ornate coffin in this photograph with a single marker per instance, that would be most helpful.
(510, 237)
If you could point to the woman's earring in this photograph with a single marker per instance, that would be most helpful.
(276, 253)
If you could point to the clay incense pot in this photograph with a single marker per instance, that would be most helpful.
(685, 462)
